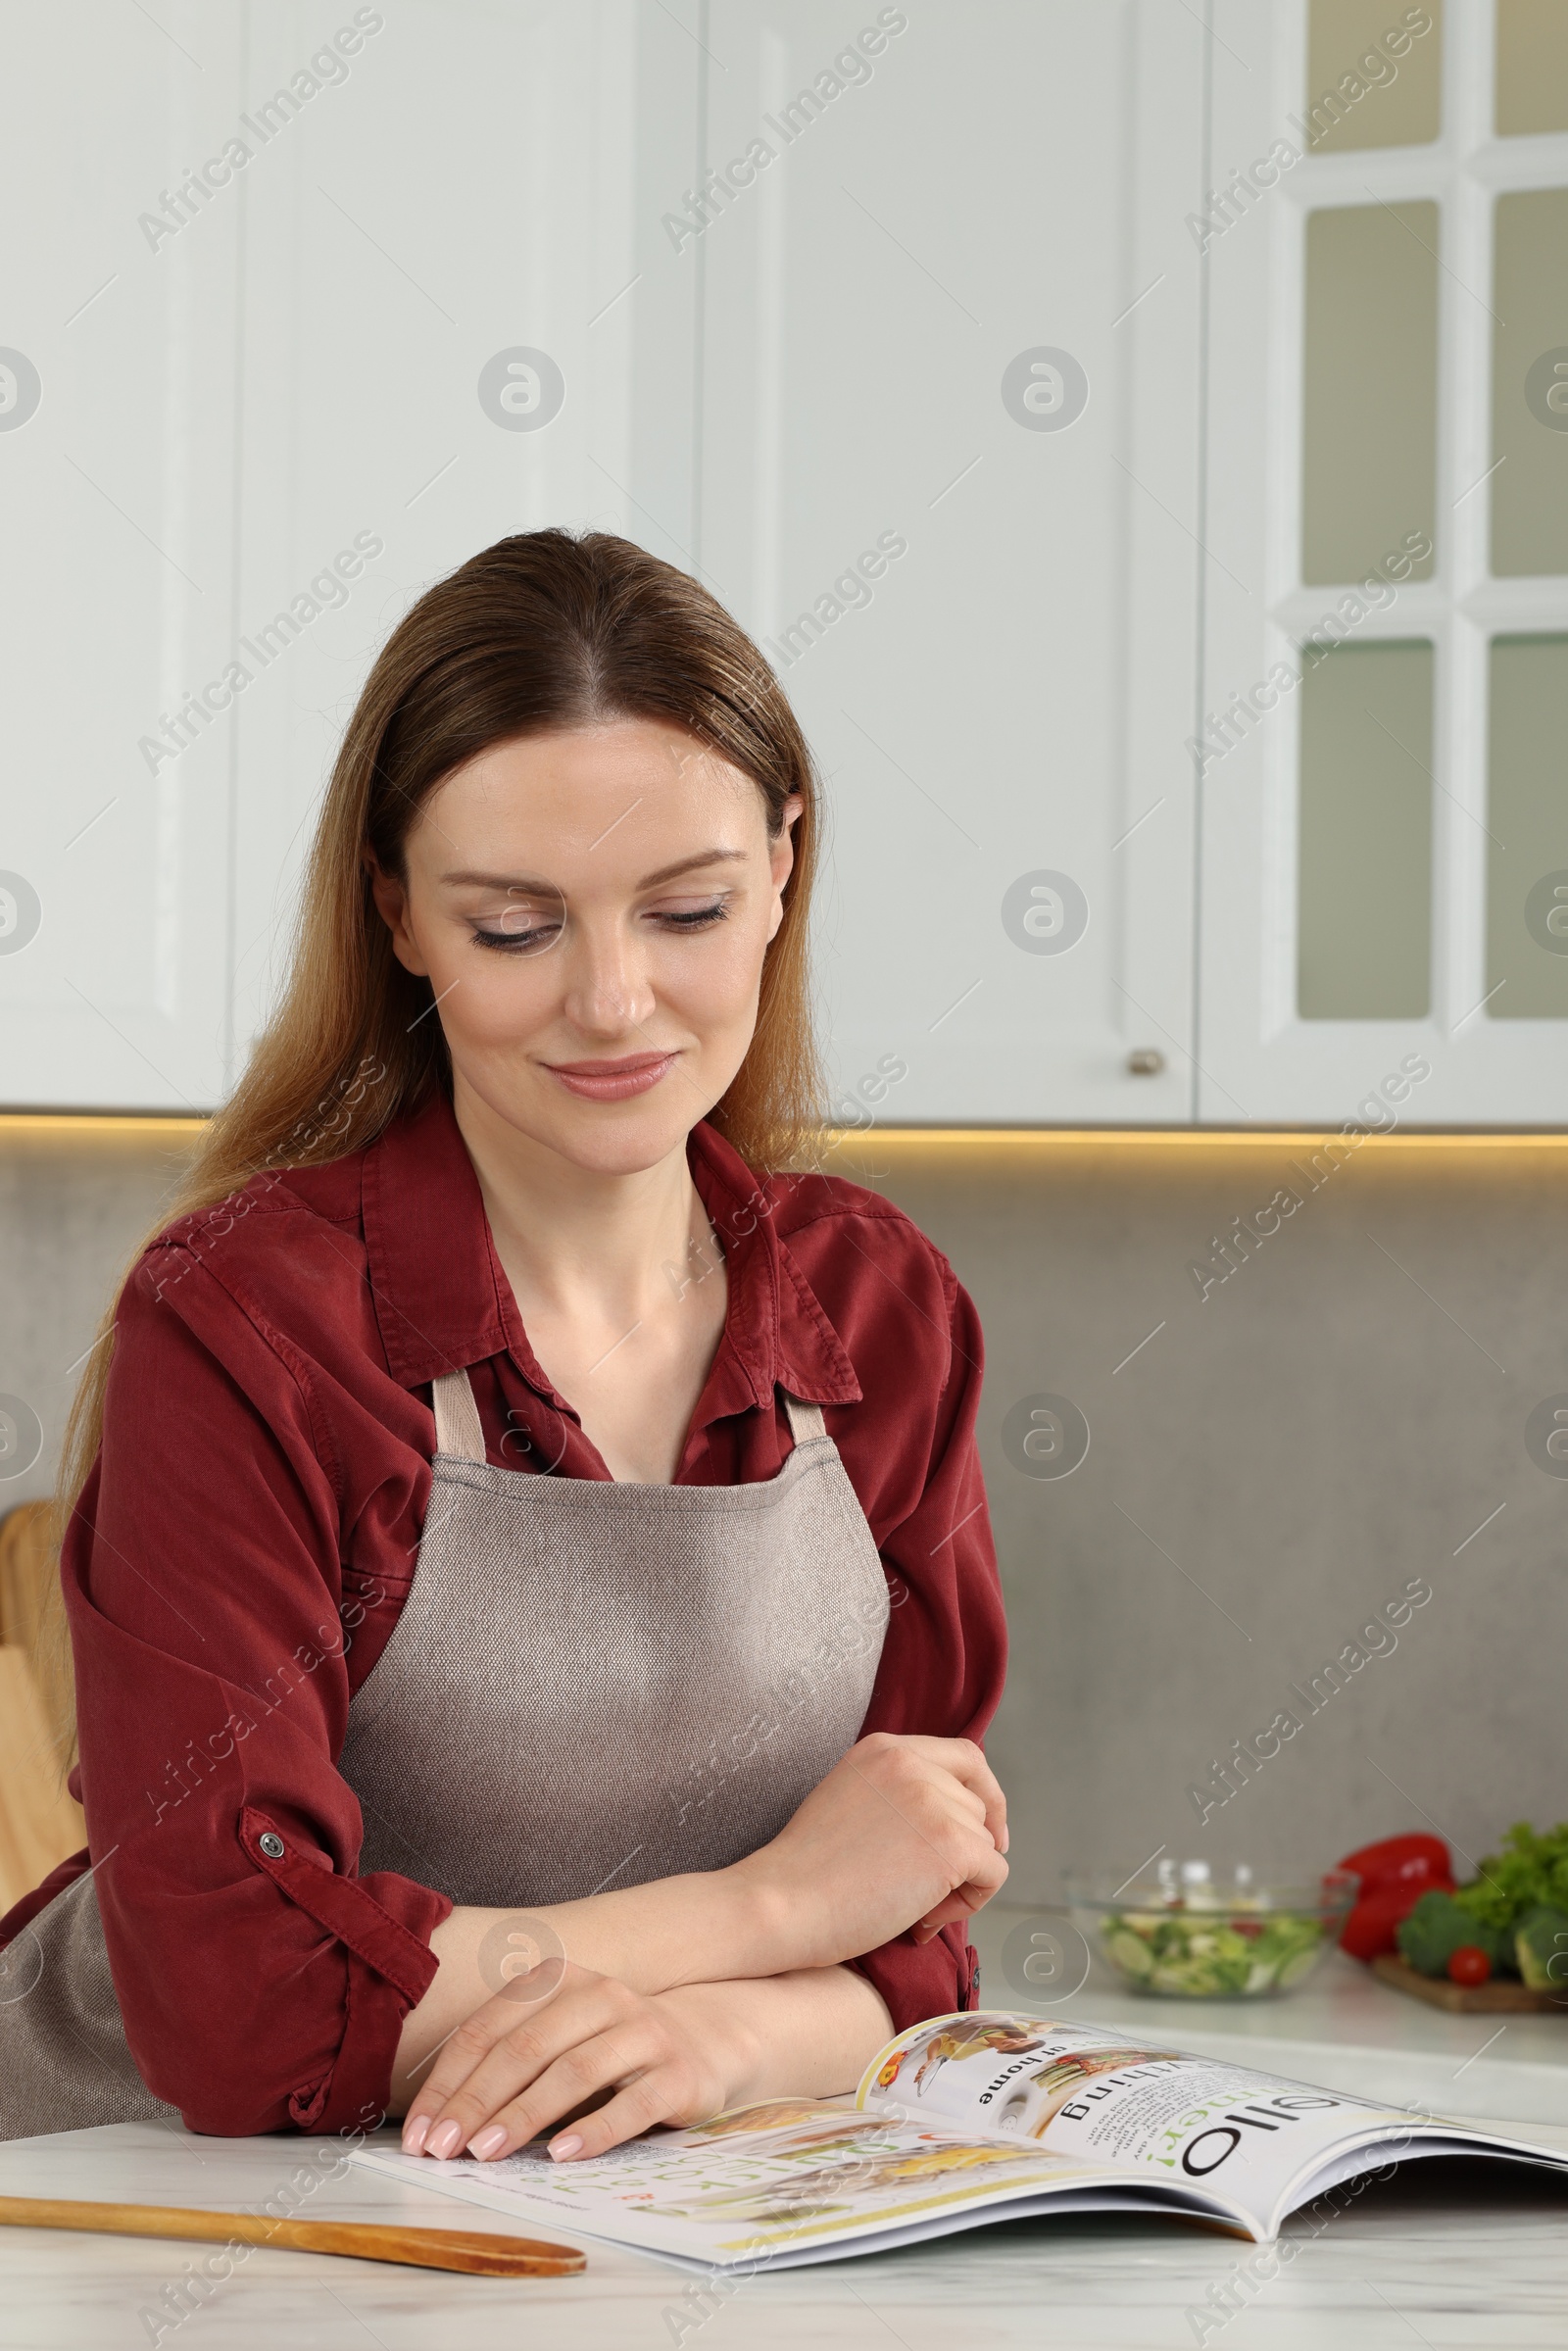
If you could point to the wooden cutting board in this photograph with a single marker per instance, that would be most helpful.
(1503, 1997)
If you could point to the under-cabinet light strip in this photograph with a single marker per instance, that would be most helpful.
(67, 1123)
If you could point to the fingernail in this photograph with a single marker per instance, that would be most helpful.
(444, 2140)
(564, 2146)
(489, 2141)
(1003, 1845)
(416, 2130)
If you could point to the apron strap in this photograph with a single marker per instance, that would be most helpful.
(806, 1420)
(458, 1432)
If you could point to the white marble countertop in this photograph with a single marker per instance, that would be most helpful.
(1436, 2256)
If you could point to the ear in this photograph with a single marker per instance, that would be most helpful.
(392, 905)
(781, 860)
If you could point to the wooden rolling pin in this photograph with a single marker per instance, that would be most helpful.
(361, 2240)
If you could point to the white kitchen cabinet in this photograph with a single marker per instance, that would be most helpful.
(892, 328)
(820, 423)
(807, 388)
(923, 238)
(482, 195)
(1382, 839)
(262, 434)
(117, 399)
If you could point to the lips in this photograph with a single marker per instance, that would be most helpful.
(611, 1081)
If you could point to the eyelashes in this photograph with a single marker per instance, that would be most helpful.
(516, 943)
(526, 942)
(701, 918)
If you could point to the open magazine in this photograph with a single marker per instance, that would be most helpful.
(960, 2121)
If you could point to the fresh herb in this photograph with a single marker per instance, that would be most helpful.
(1530, 1872)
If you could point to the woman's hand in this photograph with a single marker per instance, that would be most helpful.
(903, 1833)
(670, 2057)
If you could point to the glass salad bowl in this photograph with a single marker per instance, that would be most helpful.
(1190, 1933)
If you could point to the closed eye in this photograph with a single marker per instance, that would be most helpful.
(517, 940)
(696, 919)
(521, 939)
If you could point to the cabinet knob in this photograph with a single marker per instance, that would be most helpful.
(1146, 1063)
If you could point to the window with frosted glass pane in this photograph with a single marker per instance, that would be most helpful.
(1370, 389)
(1526, 816)
(1374, 74)
(1530, 384)
(1364, 865)
(1532, 66)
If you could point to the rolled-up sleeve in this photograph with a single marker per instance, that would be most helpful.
(262, 1983)
(944, 1659)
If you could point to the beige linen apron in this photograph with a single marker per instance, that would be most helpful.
(591, 1685)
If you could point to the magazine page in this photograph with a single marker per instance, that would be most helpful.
(1093, 2093)
(787, 2181)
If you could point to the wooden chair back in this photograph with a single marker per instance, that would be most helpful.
(40, 1822)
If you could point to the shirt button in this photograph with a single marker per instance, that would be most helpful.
(272, 1845)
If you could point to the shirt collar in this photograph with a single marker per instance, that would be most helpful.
(442, 1301)
(775, 1330)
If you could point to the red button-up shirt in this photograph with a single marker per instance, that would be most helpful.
(250, 1534)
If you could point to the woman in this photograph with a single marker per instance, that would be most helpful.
(615, 1765)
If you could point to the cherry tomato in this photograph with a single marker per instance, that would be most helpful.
(1468, 1965)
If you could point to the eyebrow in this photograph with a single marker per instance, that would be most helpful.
(543, 889)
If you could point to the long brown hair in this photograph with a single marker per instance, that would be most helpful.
(541, 631)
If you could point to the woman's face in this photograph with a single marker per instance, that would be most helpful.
(591, 908)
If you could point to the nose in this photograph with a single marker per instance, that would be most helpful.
(606, 988)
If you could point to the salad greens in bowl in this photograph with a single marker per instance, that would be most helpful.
(1189, 1933)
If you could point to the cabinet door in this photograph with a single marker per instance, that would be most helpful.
(950, 436)
(116, 444)
(462, 318)
(1385, 832)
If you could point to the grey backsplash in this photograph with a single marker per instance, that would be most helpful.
(1283, 1458)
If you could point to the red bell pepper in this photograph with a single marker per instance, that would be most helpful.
(1394, 1874)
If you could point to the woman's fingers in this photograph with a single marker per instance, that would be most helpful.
(454, 2061)
(496, 2051)
(505, 2088)
(967, 1899)
(660, 2095)
(988, 1878)
(580, 2076)
(974, 1796)
(552, 2051)
(596, 2039)
(964, 1902)
(945, 1790)
(966, 1761)
(650, 2083)
(952, 1773)
(456, 2058)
